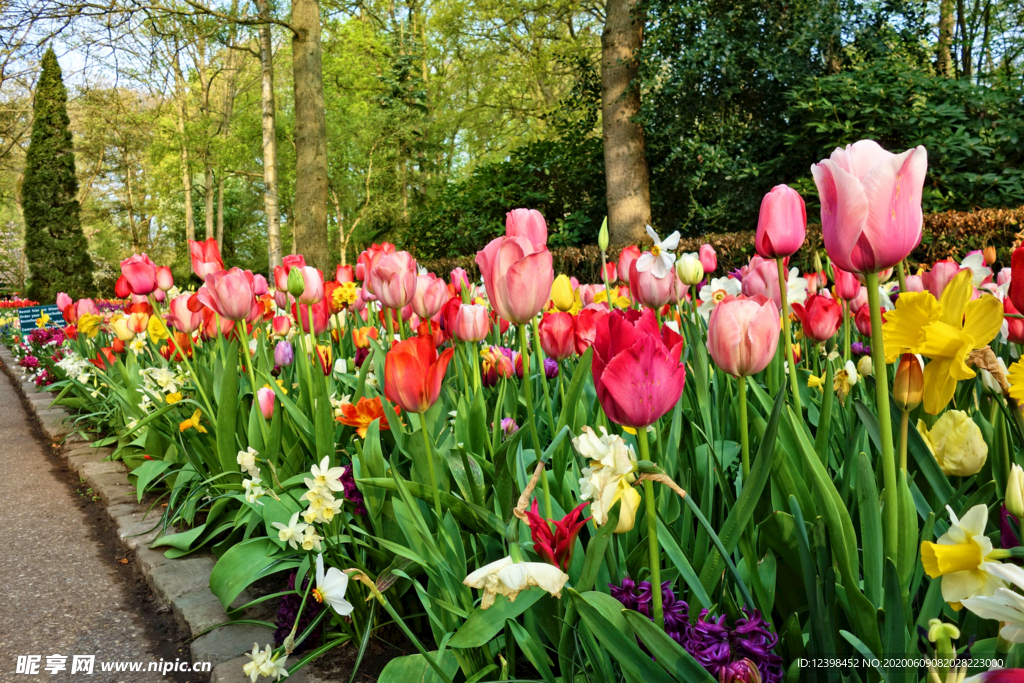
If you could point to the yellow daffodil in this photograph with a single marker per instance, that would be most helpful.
(959, 557)
(344, 295)
(157, 330)
(956, 442)
(42, 320)
(280, 383)
(89, 324)
(1015, 378)
(815, 383)
(173, 397)
(120, 327)
(620, 302)
(193, 423)
(945, 332)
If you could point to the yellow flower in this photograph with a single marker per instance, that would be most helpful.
(193, 423)
(562, 293)
(42, 320)
(844, 381)
(280, 383)
(959, 557)
(344, 295)
(157, 330)
(956, 443)
(815, 383)
(945, 332)
(89, 324)
(121, 331)
(620, 301)
(1015, 378)
(173, 397)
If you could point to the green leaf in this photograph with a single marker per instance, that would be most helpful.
(533, 650)
(484, 624)
(227, 414)
(147, 472)
(244, 563)
(415, 669)
(869, 507)
(669, 654)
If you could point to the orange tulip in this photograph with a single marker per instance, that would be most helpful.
(413, 373)
(361, 336)
(362, 414)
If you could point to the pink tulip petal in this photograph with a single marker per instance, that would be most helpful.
(864, 156)
(644, 382)
(844, 208)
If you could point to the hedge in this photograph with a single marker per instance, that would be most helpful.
(950, 234)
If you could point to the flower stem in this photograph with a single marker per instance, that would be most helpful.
(240, 326)
(525, 351)
(846, 331)
(904, 423)
(902, 275)
(786, 336)
(543, 376)
(429, 450)
(744, 436)
(884, 420)
(653, 549)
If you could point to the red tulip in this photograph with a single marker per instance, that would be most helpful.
(413, 373)
(636, 367)
(121, 288)
(816, 281)
(863, 320)
(205, 257)
(527, 223)
(782, 224)
(708, 258)
(210, 328)
(819, 316)
(870, 205)
(140, 274)
(557, 335)
(1015, 331)
(393, 280)
(610, 273)
(1016, 292)
(556, 548)
(431, 294)
(472, 324)
(105, 358)
(517, 277)
(649, 289)
(321, 316)
(626, 258)
(229, 293)
(370, 257)
(585, 327)
(743, 333)
(343, 274)
(164, 278)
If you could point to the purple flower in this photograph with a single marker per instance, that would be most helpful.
(633, 595)
(675, 611)
(860, 349)
(751, 639)
(708, 642)
(1007, 536)
(29, 362)
(352, 492)
(550, 368)
(361, 355)
(288, 609)
(742, 671)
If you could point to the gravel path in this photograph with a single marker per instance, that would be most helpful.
(62, 590)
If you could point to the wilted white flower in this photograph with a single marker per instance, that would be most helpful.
(509, 578)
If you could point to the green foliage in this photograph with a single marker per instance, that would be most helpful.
(55, 245)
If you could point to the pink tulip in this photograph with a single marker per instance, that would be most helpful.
(743, 333)
(819, 316)
(679, 291)
(313, 285)
(708, 258)
(431, 294)
(164, 278)
(527, 223)
(1003, 276)
(393, 280)
(626, 258)
(459, 279)
(472, 323)
(762, 279)
(847, 286)
(556, 332)
(939, 276)
(205, 257)
(650, 290)
(636, 367)
(915, 283)
(343, 274)
(610, 273)
(140, 274)
(160, 295)
(265, 395)
(782, 224)
(863, 320)
(517, 277)
(63, 301)
(870, 205)
(259, 285)
(321, 316)
(229, 293)
(860, 301)
(281, 325)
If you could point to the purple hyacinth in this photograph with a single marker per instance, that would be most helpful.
(742, 671)
(633, 595)
(288, 609)
(675, 611)
(708, 642)
(751, 639)
(352, 492)
(860, 349)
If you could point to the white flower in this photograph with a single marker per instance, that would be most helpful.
(138, 345)
(963, 557)
(716, 290)
(259, 659)
(247, 461)
(253, 490)
(659, 259)
(275, 668)
(328, 476)
(311, 539)
(796, 288)
(1004, 605)
(975, 262)
(331, 587)
(509, 578)
(341, 367)
(608, 477)
(165, 379)
(289, 533)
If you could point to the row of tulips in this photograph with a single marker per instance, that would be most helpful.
(672, 475)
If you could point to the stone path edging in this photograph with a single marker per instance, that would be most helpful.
(181, 584)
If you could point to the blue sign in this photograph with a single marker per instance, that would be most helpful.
(28, 317)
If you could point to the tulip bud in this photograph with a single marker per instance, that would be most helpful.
(689, 269)
(561, 293)
(265, 397)
(283, 354)
(164, 278)
(908, 387)
(296, 285)
(1014, 500)
(864, 366)
(602, 235)
(990, 255)
(121, 289)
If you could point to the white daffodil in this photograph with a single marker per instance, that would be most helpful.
(165, 379)
(327, 476)
(963, 557)
(247, 461)
(311, 539)
(138, 345)
(1004, 605)
(608, 477)
(331, 587)
(796, 288)
(253, 490)
(291, 532)
(259, 659)
(509, 578)
(715, 291)
(275, 668)
(660, 258)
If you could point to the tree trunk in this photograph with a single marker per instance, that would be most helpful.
(625, 166)
(944, 59)
(220, 213)
(208, 191)
(186, 171)
(965, 40)
(269, 140)
(310, 224)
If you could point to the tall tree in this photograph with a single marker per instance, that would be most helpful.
(311, 184)
(55, 245)
(627, 178)
(269, 128)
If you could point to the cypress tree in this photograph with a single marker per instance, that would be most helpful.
(55, 246)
